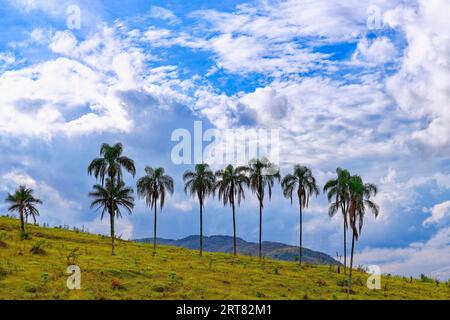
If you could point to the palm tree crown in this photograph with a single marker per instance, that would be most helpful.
(302, 182)
(112, 197)
(230, 184)
(24, 202)
(200, 182)
(154, 186)
(360, 194)
(110, 163)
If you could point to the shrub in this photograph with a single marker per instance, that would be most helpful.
(173, 276)
(37, 248)
(424, 278)
(2, 238)
(25, 235)
(116, 284)
(276, 270)
(3, 273)
(72, 257)
(321, 283)
(159, 289)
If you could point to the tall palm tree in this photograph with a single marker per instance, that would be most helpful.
(153, 187)
(110, 198)
(304, 184)
(24, 202)
(360, 194)
(230, 185)
(338, 189)
(200, 183)
(110, 163)
(262, 175)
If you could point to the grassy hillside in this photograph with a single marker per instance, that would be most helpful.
(173, 273)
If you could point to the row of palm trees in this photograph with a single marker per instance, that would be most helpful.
(346, 193)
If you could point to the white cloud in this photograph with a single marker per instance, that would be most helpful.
(164, 14)
(431, 257)
(123, 227)
(379, 51)
(421, 87)
(438, 213)
(63, 42)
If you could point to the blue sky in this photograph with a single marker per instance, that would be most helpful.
(362, 85)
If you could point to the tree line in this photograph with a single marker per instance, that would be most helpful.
(347, 193)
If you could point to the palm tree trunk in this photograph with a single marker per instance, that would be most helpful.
(351, 264)
(234, 230)
(301, 250)
(112, 233)
(154, 232)
(260, 230)
(22, 223)
(201, 228)
(345, 240)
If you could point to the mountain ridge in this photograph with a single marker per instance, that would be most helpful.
(224, 243)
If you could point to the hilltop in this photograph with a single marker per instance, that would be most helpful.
(35, 268)
(273, 250)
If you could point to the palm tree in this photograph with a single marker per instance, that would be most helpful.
(360, 194)
(153, 187)
(303, 182)
(262, 174)
(24, 202)
(110, 163)
(230, 185)
(200, 183)
(338, 189)
(110, 198)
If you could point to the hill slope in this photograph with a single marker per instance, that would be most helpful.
(273, 250)
(173, 273)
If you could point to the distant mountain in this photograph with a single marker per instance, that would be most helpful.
(274, 250)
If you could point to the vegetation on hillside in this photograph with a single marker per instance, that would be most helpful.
(36, 269)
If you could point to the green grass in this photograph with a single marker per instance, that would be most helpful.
(36, 269)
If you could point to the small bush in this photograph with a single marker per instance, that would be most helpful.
(72, 257)
(25, 235)
(3, 273)
(37, 248)
(424, 278)
(116, 284)
(276, 270)
(321, 283)
(173, 276)
(159, 289)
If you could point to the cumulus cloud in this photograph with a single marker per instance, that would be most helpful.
(379, 51)
(438, 213)
(431, 257)
(421, 86)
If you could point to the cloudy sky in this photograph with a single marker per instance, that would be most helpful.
(363, 85)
